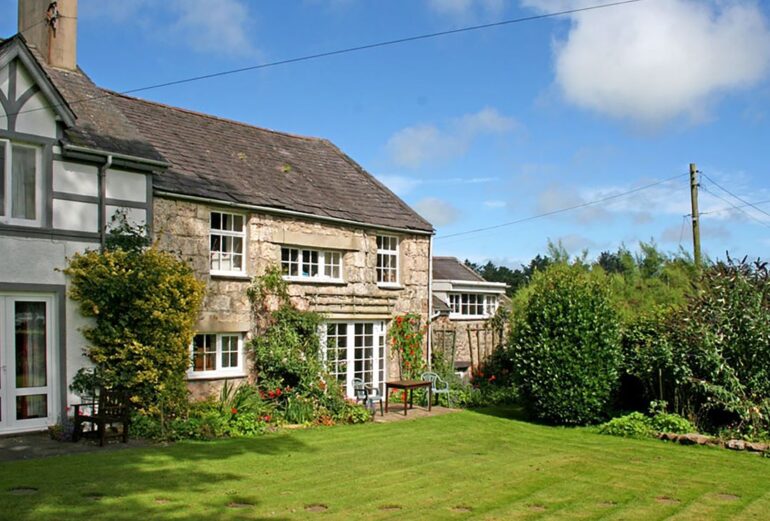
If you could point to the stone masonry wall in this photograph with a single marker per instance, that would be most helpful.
(183, 227)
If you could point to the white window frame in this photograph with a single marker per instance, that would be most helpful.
(228, 233)
(379, 365)
(218, 371)
(325, 260)
(486, 301)
(6, 216)
(392, 253)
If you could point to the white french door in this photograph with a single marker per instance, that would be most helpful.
(356, 350)
(26, 362)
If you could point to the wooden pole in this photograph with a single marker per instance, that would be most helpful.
(695, 215)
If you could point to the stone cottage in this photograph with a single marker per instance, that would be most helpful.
(232, 198)
(463, 303)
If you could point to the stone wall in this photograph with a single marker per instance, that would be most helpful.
(183, 227)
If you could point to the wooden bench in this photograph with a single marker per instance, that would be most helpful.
(111, 407)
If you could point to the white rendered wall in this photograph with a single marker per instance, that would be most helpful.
(75, 178)
(126, 186)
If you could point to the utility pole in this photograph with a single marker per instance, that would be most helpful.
(695, 215)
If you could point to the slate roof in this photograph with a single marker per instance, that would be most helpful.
(439, 306)
(229, 161)
(226, 160)
(100, 125)
(451, 268)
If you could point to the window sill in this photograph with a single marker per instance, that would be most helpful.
(215, 375)
(469, 317)
(390, 286)
(229, 275)
(310, 280)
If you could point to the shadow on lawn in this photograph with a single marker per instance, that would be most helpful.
(153, 483)
(509, 412)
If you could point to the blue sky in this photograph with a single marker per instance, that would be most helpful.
(491, 126)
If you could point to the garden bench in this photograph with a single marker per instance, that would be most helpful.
(110, 407)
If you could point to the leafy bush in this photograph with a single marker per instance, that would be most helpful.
(634, 425)
(711, 358)
(564, 346)
(145, 304)
(291, 374)
(638, 425)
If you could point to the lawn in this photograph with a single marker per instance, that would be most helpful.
(469, 465)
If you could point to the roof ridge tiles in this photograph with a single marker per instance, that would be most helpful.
(210, 116)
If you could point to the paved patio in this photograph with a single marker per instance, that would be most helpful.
(40, 445)
(396, 413)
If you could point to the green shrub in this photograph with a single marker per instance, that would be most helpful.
(634, 425)
(671, 422)
(711, 357)
(564, 346)
(145, 305)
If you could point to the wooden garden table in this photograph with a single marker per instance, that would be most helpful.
(407, 386)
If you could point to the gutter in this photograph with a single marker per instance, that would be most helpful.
(103, 200)
(490, 285)
(124, 157)
(430, 303)
(293, 213)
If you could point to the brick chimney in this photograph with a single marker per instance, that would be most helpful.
(51, 27)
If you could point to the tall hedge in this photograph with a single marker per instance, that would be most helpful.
(564, 346)
(144, 304)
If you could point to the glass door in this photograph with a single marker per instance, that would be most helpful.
(3, 368)
(356, 350)
(26, 336)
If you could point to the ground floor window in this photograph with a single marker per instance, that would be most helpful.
(356, 350)
(217, 354)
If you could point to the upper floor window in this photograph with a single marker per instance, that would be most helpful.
(387, 260)
(228, 236)
(475, 305)
(20, 186)
(321, 265)
(217, 355)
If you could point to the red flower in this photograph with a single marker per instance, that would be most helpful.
(278, 391)
(266, 417)
(492, 378)
(270, 394)
(234, 410)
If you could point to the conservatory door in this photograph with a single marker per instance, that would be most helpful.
(25, 362)
(356, 350)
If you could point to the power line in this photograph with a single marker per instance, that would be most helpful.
(562, 210)
(719, 210)
(763, 223)
(760, 210)
(348, 50)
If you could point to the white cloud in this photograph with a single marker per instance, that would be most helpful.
(466, 10)
(416, 145)
(655, 61)
(437, 211)
(403, 185)
(206, 26)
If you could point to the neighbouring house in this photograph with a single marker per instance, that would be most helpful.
(232, 198)
(463, 303)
